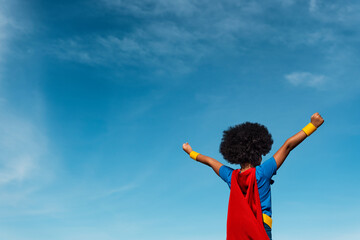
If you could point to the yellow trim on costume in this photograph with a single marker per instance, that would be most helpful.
(194, 155)
(267, 220)
(309, 129)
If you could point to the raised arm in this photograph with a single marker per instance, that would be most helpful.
(211, 162)
(295, 140)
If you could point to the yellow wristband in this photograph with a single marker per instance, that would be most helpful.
(194, 155)
(309, 129)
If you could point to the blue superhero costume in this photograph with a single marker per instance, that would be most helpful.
(264, 173)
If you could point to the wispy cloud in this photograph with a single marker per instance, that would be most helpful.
(153, 46)
(22, 146)
(168, 36)
(306, 79)
(26, 165)
(154, 8)
(313, 5)
(4, 22)
(286, 3)
(339, 235)
(118, 190)
(338, 12)
(21, 142)
(11, 28)
(175, 36)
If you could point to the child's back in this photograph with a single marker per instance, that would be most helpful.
(244, 144)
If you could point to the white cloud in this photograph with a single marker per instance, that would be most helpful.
(306, 79)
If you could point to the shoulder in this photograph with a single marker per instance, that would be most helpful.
(225, 173)
(267, 169)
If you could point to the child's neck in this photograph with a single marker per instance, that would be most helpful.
(246, 167)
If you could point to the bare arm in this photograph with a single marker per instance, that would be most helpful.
(295, 140)
(211, 162)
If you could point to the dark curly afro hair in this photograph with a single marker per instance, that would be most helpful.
(246, 143)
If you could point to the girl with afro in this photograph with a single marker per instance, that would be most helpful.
(249, 210)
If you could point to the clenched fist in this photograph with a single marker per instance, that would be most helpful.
(317, 120)
(187, 148)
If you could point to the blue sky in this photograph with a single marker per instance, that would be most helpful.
(97, 97)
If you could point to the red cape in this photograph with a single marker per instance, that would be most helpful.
(245, 219)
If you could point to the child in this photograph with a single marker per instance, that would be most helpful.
(249, 210)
